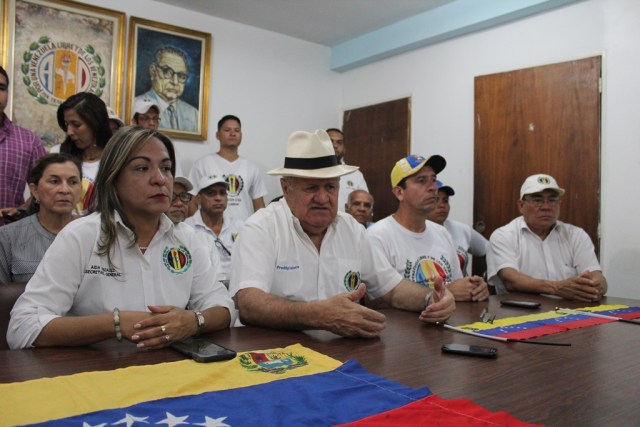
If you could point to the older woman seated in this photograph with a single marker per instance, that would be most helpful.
(55, 183)
(125, 271)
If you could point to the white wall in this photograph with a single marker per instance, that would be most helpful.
(439, 79)
(275, 84)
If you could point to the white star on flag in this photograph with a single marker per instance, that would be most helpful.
(130, 419)
(172, 420)
(213, 422)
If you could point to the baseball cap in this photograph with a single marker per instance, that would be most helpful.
(142, 105)
(539, 182)
(114, 116)
(445, 188)
(208, 181)
(183, 181)
(412, 164)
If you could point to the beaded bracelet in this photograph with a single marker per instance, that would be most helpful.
(116, 322)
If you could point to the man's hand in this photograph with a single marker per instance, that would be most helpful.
(472, 288)
(441, 306)
(587, 286)
(346, 317)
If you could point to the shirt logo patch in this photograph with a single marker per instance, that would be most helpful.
(352, 280)
(426, 269)
(177, 260)
(236, 184)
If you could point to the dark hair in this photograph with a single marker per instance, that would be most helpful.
(173, 50)
(36, 173)
(114, 159)
(4, 73)
(93, 111)
(334, 130)
(228, 117)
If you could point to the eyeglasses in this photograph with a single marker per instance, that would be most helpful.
(168, 73)
(221, 245)
(539, 201)
(144, 118)
(184, 197)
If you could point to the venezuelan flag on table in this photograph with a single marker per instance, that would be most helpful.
(551, 322)
(293, 386)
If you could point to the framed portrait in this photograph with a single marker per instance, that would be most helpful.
(54, 49)
(168, 68)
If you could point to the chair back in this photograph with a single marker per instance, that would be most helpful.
(9, 293)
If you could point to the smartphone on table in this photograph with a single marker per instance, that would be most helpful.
(470, 350)
(202, 350)
(520, 303)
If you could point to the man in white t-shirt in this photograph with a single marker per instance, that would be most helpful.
(246, 186)
(537, 253)
(419, 249)
(300, 264)
(466, 239)
(348, 183)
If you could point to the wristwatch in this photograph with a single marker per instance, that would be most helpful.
(200, 321)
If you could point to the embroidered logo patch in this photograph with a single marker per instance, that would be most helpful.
(543, 180)
(177, 260)
(273, 362)
(352, 280)
(426, 269)
(236, 184)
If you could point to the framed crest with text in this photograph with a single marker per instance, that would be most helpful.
(54, 49)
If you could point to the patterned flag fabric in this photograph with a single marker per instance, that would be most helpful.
(551, 322)
(294, 386)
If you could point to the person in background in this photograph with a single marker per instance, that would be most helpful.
(180, 199)
(466, 239)
(146, 114)
(212, 219)
(114, 121)
(85, 120)
(301, 264)
(246, 188)
(348, 183)
(19, 151)
(417, 248)
(360, 206)
(128, 271)
(55, 185)
(537, 253)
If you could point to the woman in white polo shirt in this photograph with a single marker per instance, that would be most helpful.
(125, 271)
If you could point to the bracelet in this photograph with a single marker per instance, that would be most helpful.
(116, 323)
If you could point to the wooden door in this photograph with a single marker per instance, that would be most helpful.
(376, 137)
(538, 120)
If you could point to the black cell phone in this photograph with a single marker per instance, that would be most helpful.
(520, 304)
(202, 350)
(470, 350)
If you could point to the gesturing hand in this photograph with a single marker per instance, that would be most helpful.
(343, 315)
(442, 304)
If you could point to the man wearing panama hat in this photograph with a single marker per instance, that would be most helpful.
(299, 264)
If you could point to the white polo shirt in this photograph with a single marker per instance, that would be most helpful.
(244, 178)
(274, 254)
(566, 252)
(419, 257)
(73, 280)
(467, 241)
(228, 235)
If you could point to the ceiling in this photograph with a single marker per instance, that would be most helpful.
(326, 22)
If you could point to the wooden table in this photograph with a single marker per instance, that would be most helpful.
(594, 382)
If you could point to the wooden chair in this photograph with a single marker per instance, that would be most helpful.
(9, 293)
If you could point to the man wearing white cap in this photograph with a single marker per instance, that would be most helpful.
(146, 114)
(301, 264)
(179, 209)
(537, 253)
(213, 219)
(419, 249)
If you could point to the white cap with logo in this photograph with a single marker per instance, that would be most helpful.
(539, 182)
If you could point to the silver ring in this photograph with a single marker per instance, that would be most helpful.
(168, 338)
(163, 329)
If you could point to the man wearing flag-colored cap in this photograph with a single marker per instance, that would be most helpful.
(537, 253)
(301, 264)
(419, 249)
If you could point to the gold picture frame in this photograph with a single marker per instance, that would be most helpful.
(168, 66)
(54, 49)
